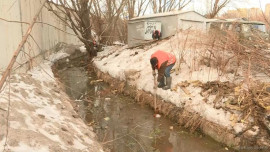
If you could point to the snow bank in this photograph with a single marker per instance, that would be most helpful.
(119, 61)
(41, 117)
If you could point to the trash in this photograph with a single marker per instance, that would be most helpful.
(114, 91)
(107, 99)
(107, 118)
(171, 127)
(96, 81)
(226, 148)
(91, 123)
(157, 115)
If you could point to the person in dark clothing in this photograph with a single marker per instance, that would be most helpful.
(163, 62)
(156, 35)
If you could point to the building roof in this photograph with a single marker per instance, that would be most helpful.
(253, 22)
(240, 20)
(162, 14)
(215, 20)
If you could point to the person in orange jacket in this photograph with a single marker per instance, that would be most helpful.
(163, 62)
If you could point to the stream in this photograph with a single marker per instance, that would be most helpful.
(122, 125)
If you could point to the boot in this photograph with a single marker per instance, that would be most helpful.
(168, 83)
(161, 83)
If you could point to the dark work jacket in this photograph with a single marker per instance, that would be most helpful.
(161, 70)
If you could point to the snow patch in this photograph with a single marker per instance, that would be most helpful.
(57, 56)
(83, 49)
(24, 147)
(238, 127)
(78, 145)
(15, 124)
(50, 112)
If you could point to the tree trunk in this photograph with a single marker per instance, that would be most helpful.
(86, 26)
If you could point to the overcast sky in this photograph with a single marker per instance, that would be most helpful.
(199, 5)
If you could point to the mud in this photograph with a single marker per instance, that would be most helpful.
(121, 124)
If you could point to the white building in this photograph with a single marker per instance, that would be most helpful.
(170, 22)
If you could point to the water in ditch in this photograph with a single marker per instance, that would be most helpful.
(120, 123)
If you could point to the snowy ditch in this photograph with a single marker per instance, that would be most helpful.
(120, 123)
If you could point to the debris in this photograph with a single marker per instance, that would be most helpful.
(41, 116)
(107, 99)
(185, 90)
(107, 118)
(114, 91)
(226, 148)
(91, 123)
(75, 116)
(64, 128)
(96, 81)
(171, 127)
(157, 115)
(88, 100)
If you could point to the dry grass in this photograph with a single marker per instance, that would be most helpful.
(228, 52)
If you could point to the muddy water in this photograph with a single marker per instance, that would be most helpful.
(122, 125)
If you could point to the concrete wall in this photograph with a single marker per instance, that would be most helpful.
(191, 20)
(135, 33)
(168, 28)
(45, 37)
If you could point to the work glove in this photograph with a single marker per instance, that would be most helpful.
(154, 73)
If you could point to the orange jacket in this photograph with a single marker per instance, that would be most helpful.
(163, 57)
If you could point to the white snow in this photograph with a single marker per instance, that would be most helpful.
(39, 111)
(78, 145)
(24, 147)
(83, 49)
(118, 43)
(238, 127)
(57, 56)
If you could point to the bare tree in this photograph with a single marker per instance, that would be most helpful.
(159, 6)
(76, 15)
(106, 15)
(136, 7)
(216, 7)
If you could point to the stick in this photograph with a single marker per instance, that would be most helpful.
(17, 51)
(155, 94)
